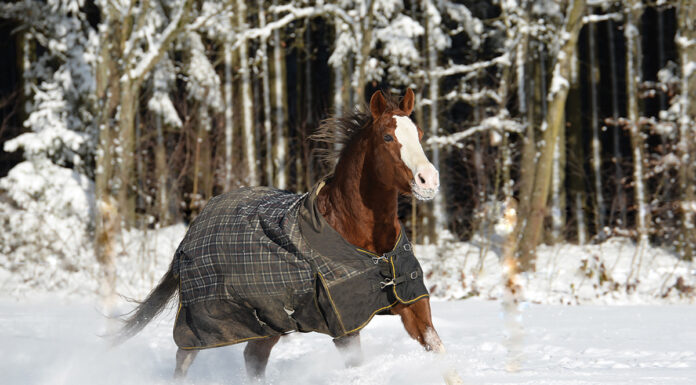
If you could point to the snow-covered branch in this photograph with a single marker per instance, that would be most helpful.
(684, 42)
(474, 97)
(206, 18)
(457, 69)
(160, 45)
(600, 3)
(499, 123)
(615, 16)
(293, 14)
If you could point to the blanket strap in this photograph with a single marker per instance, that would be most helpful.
(386, 268)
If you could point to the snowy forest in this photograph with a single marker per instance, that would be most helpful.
(564, 132)
(121, 119)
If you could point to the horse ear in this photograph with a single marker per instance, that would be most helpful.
(377, 104)
(406, 104)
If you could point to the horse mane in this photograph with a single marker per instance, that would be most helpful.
(336, 133)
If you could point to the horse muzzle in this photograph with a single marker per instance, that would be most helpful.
(426, 182)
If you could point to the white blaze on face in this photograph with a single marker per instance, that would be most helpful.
(425, 177)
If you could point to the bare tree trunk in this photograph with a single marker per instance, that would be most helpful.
(686, 39)
(280, 111)
(580, 218)
(481, 174)
(421, 220)
(557, 185)
(194, 202)
(247, 107)
(618, 158)
(267, 129)
(507, 78)
(575, 151)
(202, 177)
(528, 140)
(139, 171)
(348, 94)
(520, 63)
(529, 146)
(106, 218)
(558, 174)
(364, 38)
(229, 115)
(207, 171)
(661, 53)
(504, 178)
(298, 146)
(126, 198)
(594, 117)
(162, 172)
(307, 166)
(553, 122)
(338, 80)
(440, 217)
(28, 51)
(633, 78)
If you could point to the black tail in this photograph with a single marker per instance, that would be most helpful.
(149, 308)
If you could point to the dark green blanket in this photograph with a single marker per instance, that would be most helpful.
(259, 262)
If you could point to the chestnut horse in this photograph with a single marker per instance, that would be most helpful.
(382, 157)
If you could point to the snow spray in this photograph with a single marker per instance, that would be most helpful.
(513, 298)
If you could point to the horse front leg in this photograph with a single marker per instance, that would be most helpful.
(256, 356)
(418, 323)
(349, 347)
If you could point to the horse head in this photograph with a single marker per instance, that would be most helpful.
(399, 157)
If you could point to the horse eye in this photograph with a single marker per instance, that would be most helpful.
(388, 138)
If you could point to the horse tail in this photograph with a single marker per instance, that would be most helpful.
(148, 309)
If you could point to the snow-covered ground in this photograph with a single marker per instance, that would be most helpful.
(616, 271)
(639, 340)
(56, 342)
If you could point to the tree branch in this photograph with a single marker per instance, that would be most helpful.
(154, 54)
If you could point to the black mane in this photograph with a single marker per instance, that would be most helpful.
(336, 133)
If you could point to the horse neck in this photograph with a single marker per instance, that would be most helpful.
(362, 210)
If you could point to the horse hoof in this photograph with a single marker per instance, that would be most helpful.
(452, 378)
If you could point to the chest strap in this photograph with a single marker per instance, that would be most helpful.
(388, 262)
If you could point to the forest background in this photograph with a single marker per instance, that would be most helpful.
(124, 117)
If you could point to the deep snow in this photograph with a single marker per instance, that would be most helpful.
(55, 342)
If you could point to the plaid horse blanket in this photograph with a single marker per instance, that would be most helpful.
(258, 262)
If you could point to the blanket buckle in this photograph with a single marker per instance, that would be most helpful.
(376, 259)
(386, 282)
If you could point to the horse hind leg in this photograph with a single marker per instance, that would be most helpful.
(256, 356)
(184, 359)
(350, 349)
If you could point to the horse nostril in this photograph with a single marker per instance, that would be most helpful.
(421, 179)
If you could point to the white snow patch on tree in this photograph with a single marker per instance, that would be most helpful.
(558, 82)
(160, 102)
(203, 81)
(470, 24)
